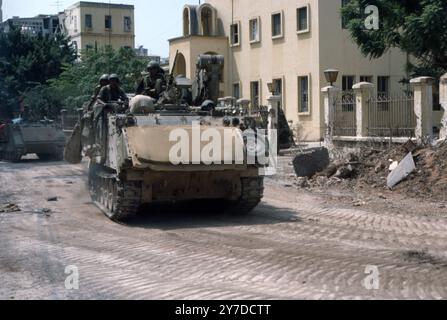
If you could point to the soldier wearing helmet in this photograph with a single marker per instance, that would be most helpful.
(113, 91)
(103, 81)
(154, 83)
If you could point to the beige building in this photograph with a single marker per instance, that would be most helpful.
(289, 42)
(93, 25)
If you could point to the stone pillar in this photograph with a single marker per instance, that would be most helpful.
(273, 108)
(330, 99)
(423, 106)
(363, 92)
(443, 102)
(244, 104)
(274, 103)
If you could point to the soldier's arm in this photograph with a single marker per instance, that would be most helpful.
(103, 95)
(96, 92)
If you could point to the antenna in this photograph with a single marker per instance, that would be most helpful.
(110, 36)
(58, 4)
(110, 32)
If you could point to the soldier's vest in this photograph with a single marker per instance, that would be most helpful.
(148, 84)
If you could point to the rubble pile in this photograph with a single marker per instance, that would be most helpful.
(9, 207)
(371, 168)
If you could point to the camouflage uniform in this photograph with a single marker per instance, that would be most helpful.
(96, 91)
(152, 86)
(109, 94)
(104, 80)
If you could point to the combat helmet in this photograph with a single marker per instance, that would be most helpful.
(104, 77)
(114, 76)
(153, 64)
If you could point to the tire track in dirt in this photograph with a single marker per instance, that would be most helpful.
(286, 249)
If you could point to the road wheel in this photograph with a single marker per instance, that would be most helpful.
(119, 200)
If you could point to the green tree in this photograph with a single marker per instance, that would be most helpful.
(77, 81)
(417, 27)
(27, 62)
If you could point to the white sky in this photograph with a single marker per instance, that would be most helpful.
(156, 20)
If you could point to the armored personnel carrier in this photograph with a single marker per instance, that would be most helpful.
(20, 138)
(168, 151)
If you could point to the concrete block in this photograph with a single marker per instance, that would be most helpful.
(402, 171)
(308, 163)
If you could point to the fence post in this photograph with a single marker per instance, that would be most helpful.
(362, 95)
(273, 108)
(423, 106)
(330, 99)
(63, 115)
(274, 103)
(443, 102)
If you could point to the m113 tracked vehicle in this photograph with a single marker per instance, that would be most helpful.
(20, 138)
(168, 151)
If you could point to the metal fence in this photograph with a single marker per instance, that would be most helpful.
(256, 111)
(391, 115)
(345, 115)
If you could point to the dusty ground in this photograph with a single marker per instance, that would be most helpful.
(299, 244)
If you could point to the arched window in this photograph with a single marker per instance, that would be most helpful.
(186, 22)
(206, 20)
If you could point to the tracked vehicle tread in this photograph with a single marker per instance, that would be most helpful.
(252, 194)
(119, 200)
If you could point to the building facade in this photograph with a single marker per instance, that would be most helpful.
(93, 25)
(41, 24)
(287, 42)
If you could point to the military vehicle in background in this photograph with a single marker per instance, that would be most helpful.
(20, 138)
(131, 149)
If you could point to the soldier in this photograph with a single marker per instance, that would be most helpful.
(103, 81)
(113, 91)
(154, 83)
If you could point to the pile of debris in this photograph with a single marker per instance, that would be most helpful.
(9, 207)
(418, 171)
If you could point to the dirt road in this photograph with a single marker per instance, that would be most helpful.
(296, 245)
